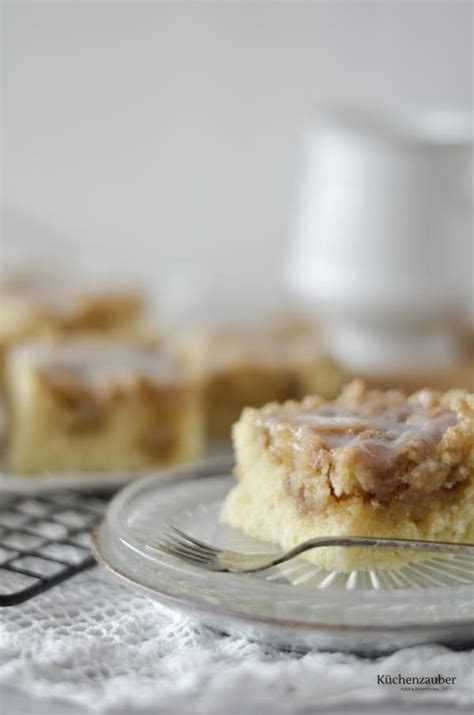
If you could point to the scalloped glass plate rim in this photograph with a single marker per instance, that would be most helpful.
(202, 606)
(113, 518)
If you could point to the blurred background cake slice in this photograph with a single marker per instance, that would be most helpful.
(41, 302)
(241, 367)
(34, 302)
(86, 403)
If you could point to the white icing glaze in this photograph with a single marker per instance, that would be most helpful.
(378, 429)
(96, 361)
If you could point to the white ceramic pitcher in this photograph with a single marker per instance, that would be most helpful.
(381, 241)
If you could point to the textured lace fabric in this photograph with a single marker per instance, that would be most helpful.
(95, 642)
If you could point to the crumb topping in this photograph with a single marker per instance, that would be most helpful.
(380, 430)
(370, 443)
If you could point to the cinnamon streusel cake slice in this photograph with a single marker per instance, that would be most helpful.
(370, 463)
(240, 368)
(90, 404)
(35, 303)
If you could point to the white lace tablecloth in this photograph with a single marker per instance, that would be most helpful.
(94, 642)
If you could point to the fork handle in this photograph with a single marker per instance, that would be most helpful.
(367, 541)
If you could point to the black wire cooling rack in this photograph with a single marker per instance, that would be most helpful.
(45, 539)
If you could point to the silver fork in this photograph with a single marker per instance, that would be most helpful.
(199, 553)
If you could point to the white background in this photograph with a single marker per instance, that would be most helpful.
(162, 138)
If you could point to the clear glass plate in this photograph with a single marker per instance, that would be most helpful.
(294, 605)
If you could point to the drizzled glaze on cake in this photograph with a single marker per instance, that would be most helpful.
(364, 446)
(385, 429)
(94, 361)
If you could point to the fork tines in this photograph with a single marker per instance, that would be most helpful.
(184, 546)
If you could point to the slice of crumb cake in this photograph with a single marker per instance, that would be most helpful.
(240, 368)
(370, 463)
(37, 302)
(92, 404)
